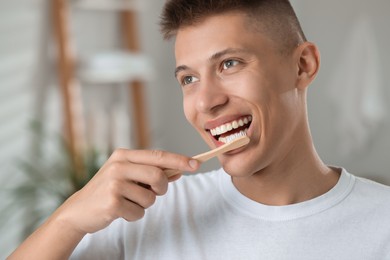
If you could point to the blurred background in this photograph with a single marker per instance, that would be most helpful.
(80, 78)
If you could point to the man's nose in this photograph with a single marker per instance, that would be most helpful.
(211, 96)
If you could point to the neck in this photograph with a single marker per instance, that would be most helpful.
(299, 176)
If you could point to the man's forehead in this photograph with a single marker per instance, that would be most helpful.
(213, 34)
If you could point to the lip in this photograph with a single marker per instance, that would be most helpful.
(222, 120)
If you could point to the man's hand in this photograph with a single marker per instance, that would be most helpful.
(124, 187)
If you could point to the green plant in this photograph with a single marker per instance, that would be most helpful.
(44, 181)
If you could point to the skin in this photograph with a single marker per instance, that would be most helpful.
(229, 77)
(236, 71)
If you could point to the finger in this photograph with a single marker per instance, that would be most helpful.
(157, 158)
(139, 195)
(171, 172)
(131, 211)
(152, 176)
(174, 177)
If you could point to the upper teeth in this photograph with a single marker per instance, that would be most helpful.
(229, 126)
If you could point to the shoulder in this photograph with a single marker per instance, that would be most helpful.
(369, 196)
(370, 189)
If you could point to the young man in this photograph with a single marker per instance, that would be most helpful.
(243, 66)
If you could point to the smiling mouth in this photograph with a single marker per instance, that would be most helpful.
(229, 131)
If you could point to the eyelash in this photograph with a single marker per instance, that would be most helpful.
(232, 62)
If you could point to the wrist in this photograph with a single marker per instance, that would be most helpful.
(64, 225)
(65, 222)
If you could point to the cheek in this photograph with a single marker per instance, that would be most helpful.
(251, 86)
(189, 109)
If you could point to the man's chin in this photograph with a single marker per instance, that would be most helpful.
(235, 169)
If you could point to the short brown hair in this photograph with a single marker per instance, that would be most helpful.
(275, 17)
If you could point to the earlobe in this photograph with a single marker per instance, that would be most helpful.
(308, 64)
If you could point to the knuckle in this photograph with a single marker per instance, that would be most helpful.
(164, 189)
(157, 176)
(157, 154)
(149, 200)
(135, 214)
(113, 187)
(114, 167)
(138, 214)
(159, 182)
(113, 205)
(118, 153)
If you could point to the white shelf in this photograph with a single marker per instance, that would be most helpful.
(114, 67)
(109, 5)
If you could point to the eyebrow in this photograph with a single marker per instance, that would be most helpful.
(213, 57)
(180, 68)
(220, 54)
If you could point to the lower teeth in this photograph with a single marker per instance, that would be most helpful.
(231, 137)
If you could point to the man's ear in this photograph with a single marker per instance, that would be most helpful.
(308, 64)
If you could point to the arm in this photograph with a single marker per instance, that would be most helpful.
(124, 187)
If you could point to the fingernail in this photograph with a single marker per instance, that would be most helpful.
(193, 163)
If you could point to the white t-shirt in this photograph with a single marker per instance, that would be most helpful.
(204, 216)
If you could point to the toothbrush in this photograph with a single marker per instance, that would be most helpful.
(236, 143)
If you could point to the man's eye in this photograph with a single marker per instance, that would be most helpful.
(229, 63)
(188, 80)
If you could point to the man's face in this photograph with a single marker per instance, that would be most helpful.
(234, 76)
